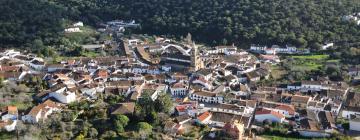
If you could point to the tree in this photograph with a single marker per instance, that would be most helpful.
(144, 126)
(120, 122)
(1, 82)
(108, 135)
(77, 51)
(68, 116)
(144, 106)
(80, 137)
(92, 133)
(153, 118)
(163, 103)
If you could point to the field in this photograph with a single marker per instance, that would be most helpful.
(19, 105)
(308, 62)
(357, 88)
(277, 72)
(87, 36)
(311, 57)
(270, 137)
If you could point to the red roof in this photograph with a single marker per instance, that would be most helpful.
(180, 108)
(179, 85)
(202, 79)
(204, 116)
(263, 111)
(9, 68)
(288, 108)
(102, 73)
(71, 62)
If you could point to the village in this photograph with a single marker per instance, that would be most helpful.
(228, 91)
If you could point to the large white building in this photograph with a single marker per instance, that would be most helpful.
(354, 122)
(63, 95)
(206, 96)
(179, 89)
(311, 86)
(262, 115)
(41, 112)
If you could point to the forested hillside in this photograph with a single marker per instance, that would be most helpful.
(23, 21)
(300, 22)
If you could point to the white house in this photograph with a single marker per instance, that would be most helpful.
(206, 96)
(257, 48)
(262, 114)
(72, 30)
(8, 125)
(311, 86)
(37, 64)
(41, 111)
(294, 86)
(63, 95)
(327, 46)
(78, 24)
(354, 122)
(179, 89)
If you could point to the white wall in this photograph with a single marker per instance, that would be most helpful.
(346, 113)
(354, 125)
(262, 117)
(313, 134)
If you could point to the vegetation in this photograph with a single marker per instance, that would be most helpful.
(163, 103)
(144, 126)
(302, 23)
(120, 122)
(302, 67)
(17, 95)
(311, 57)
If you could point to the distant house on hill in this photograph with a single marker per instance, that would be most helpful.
(93, 47)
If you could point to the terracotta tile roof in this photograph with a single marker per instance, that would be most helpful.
(181, 108)
(262, 111)
(178, 85)
(12, 109)
(42, 107)
(9, 68)
(204, 116)
(102, 73)
(205, 93)
(288, 108)
(124, 108)
(300, 99)
(71, 62)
